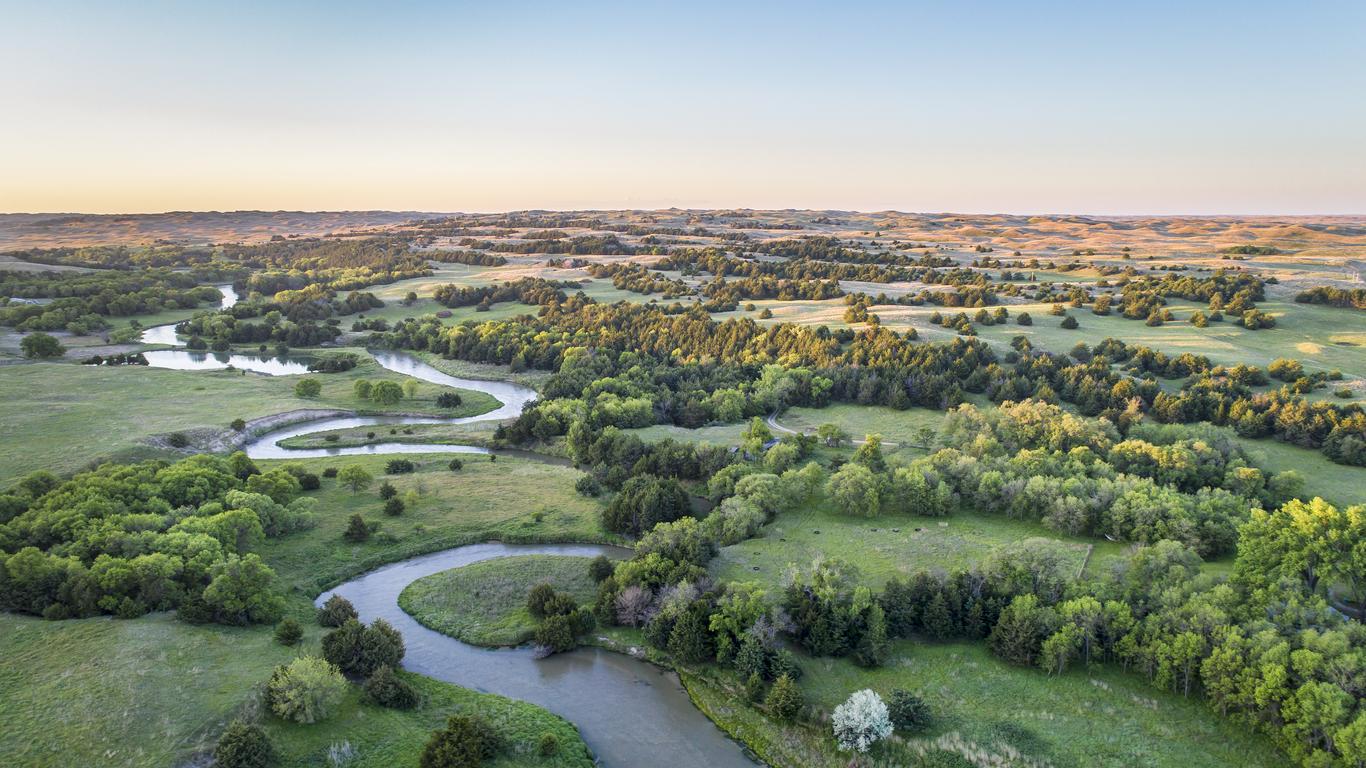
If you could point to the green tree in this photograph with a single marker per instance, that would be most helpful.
(386, 392)
(874, 647)
(908, 712)
(308, 387)
(308, 690)
(355, 477)
(288, 631)
(854, 490)
(357, 530)
(37, 346)
(785, 699)
(241, 591)
(387, 689)
(336, 611)
(243, 745)
(362, 388)
(465, 742)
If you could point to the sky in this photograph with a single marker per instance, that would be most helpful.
(1101, 108)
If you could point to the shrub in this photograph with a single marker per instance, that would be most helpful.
(785, 699)
(308, 387)
(336, 612)
(539, 599)
(393, 507)
(288, 632)
(600, 568)
(306, 691)
(360, 650)
(456, 465)
(588, 486)
(238, 425)
(387, 490)
(548, 745)
(1069, 322)
(448, 400)
(465, 742)
(908, 712)
(243, 745)
(1342, 392)
(357, 530)
(177, 440)
(861, 721)
(1024, 319)
(387, 689)
(330, 472)
(399, 467)
(754, 687)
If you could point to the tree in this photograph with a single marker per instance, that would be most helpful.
(307, 691)
(240, 591)
(600, 568)
(336, 612)
(785, 699)
(387, 490)
(387, 689)
(288, 632)
(873, 648)
(854, 490)
(357, 530)
(354, 477)
(1024, 319)
(1313, 543)
(448, 400)
(870, 454)
(362, 388)
(386, 392)
(308, 387)
(243, 745)
(37, 346)
(861, 721)
(1069, 323)
(393, 507)
(410, 388)
(1021, 629)
(1285, 369)
(465, 742)
(689, 641)
(357, 649)
(833, 435)
(643, 502)
(908, 712)
(539, 599)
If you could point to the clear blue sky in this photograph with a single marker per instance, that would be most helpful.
(1214, 107)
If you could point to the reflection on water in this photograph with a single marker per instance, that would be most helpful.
(185, 360)
(630, 712)
(165, 334)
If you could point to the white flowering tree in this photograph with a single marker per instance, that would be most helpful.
(861, 721)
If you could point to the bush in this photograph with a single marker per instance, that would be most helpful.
(387, 490)
(754, 687)
(288, 632)
(399, 467)
(330, 472)
(238, 425)
(393, 507)
(785, 699)
(360, 650)
(861, 721)
(387, 689)
(243, 745)
(600, 568)
(1024, 319)
(308, 387)
(177, 440)
(908, 712)
(306, 691)
(448, 400)
(309, 482)
(336, 612)
(1069, 322)
(465, 742)
(588, 486)
(539, 599)
(456, 465)
(549, 745)
(357, 530)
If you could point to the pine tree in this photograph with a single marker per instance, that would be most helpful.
(937, 623)
(873, 647)
(785, 699)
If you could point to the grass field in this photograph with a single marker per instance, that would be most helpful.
(154, 691)
(1085, 717)
(510, 500)
(892, 545)
(485, 603)
(73, 414)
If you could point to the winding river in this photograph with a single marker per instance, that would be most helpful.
(630, 712)
(190, 360)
